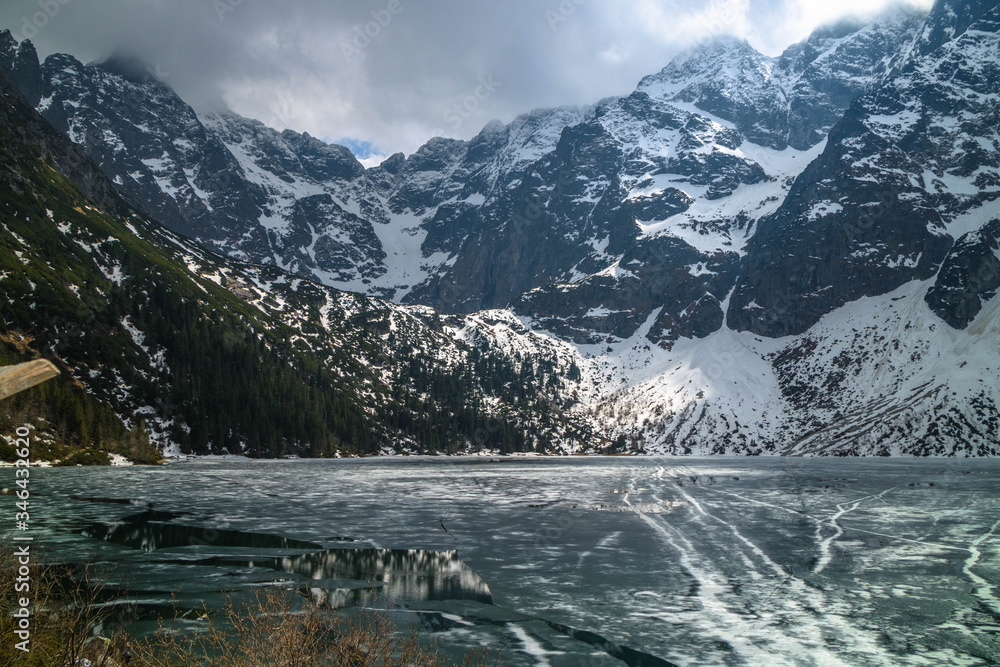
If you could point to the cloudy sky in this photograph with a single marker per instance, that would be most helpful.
(385, 75)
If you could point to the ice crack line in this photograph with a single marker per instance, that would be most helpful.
(719, 601)
(982, 587)
(750, 638)
(826, 543)
(754, 549)
(710, 593)
(924, 543)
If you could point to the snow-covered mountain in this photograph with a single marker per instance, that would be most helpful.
(792, 100)
(881, 376)
(747, 254)
(551, 197)
(912, 167)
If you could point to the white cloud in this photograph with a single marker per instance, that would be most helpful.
(695, 24)
(372, 161)
(336, 70)
(801, 17)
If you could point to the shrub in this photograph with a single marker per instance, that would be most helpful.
(65, 613)
(87, 457)
(277, 627)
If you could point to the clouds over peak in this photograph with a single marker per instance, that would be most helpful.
(387, 74)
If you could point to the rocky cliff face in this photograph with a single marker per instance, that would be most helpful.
(969, 277)
(911, 167)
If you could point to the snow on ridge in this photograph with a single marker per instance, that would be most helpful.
(823, 209)
(879, 365)
(602, 311)
(755, 201)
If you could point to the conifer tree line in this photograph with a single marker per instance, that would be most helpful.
(148, 350)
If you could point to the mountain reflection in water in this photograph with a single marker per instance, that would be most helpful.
(337, 576)
(411, 574)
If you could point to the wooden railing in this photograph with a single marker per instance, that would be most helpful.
(14, 379)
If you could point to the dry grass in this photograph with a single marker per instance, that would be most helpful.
(280, 628)
(66, 619)
(275, 628)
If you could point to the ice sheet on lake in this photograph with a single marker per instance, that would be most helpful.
(693, 561)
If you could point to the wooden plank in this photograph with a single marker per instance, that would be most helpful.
(14, 379)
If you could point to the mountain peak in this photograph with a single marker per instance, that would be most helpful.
(20, 62)
(705, 60)
(7, 42)
(794, 99)
(494, 128)
(394, 164)
(724, 43)
(129, 66)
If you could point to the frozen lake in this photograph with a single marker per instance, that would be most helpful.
(578, 561)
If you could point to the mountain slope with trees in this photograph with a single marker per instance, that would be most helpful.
(159, 338)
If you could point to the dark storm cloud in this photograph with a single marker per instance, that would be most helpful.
(392, 72)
